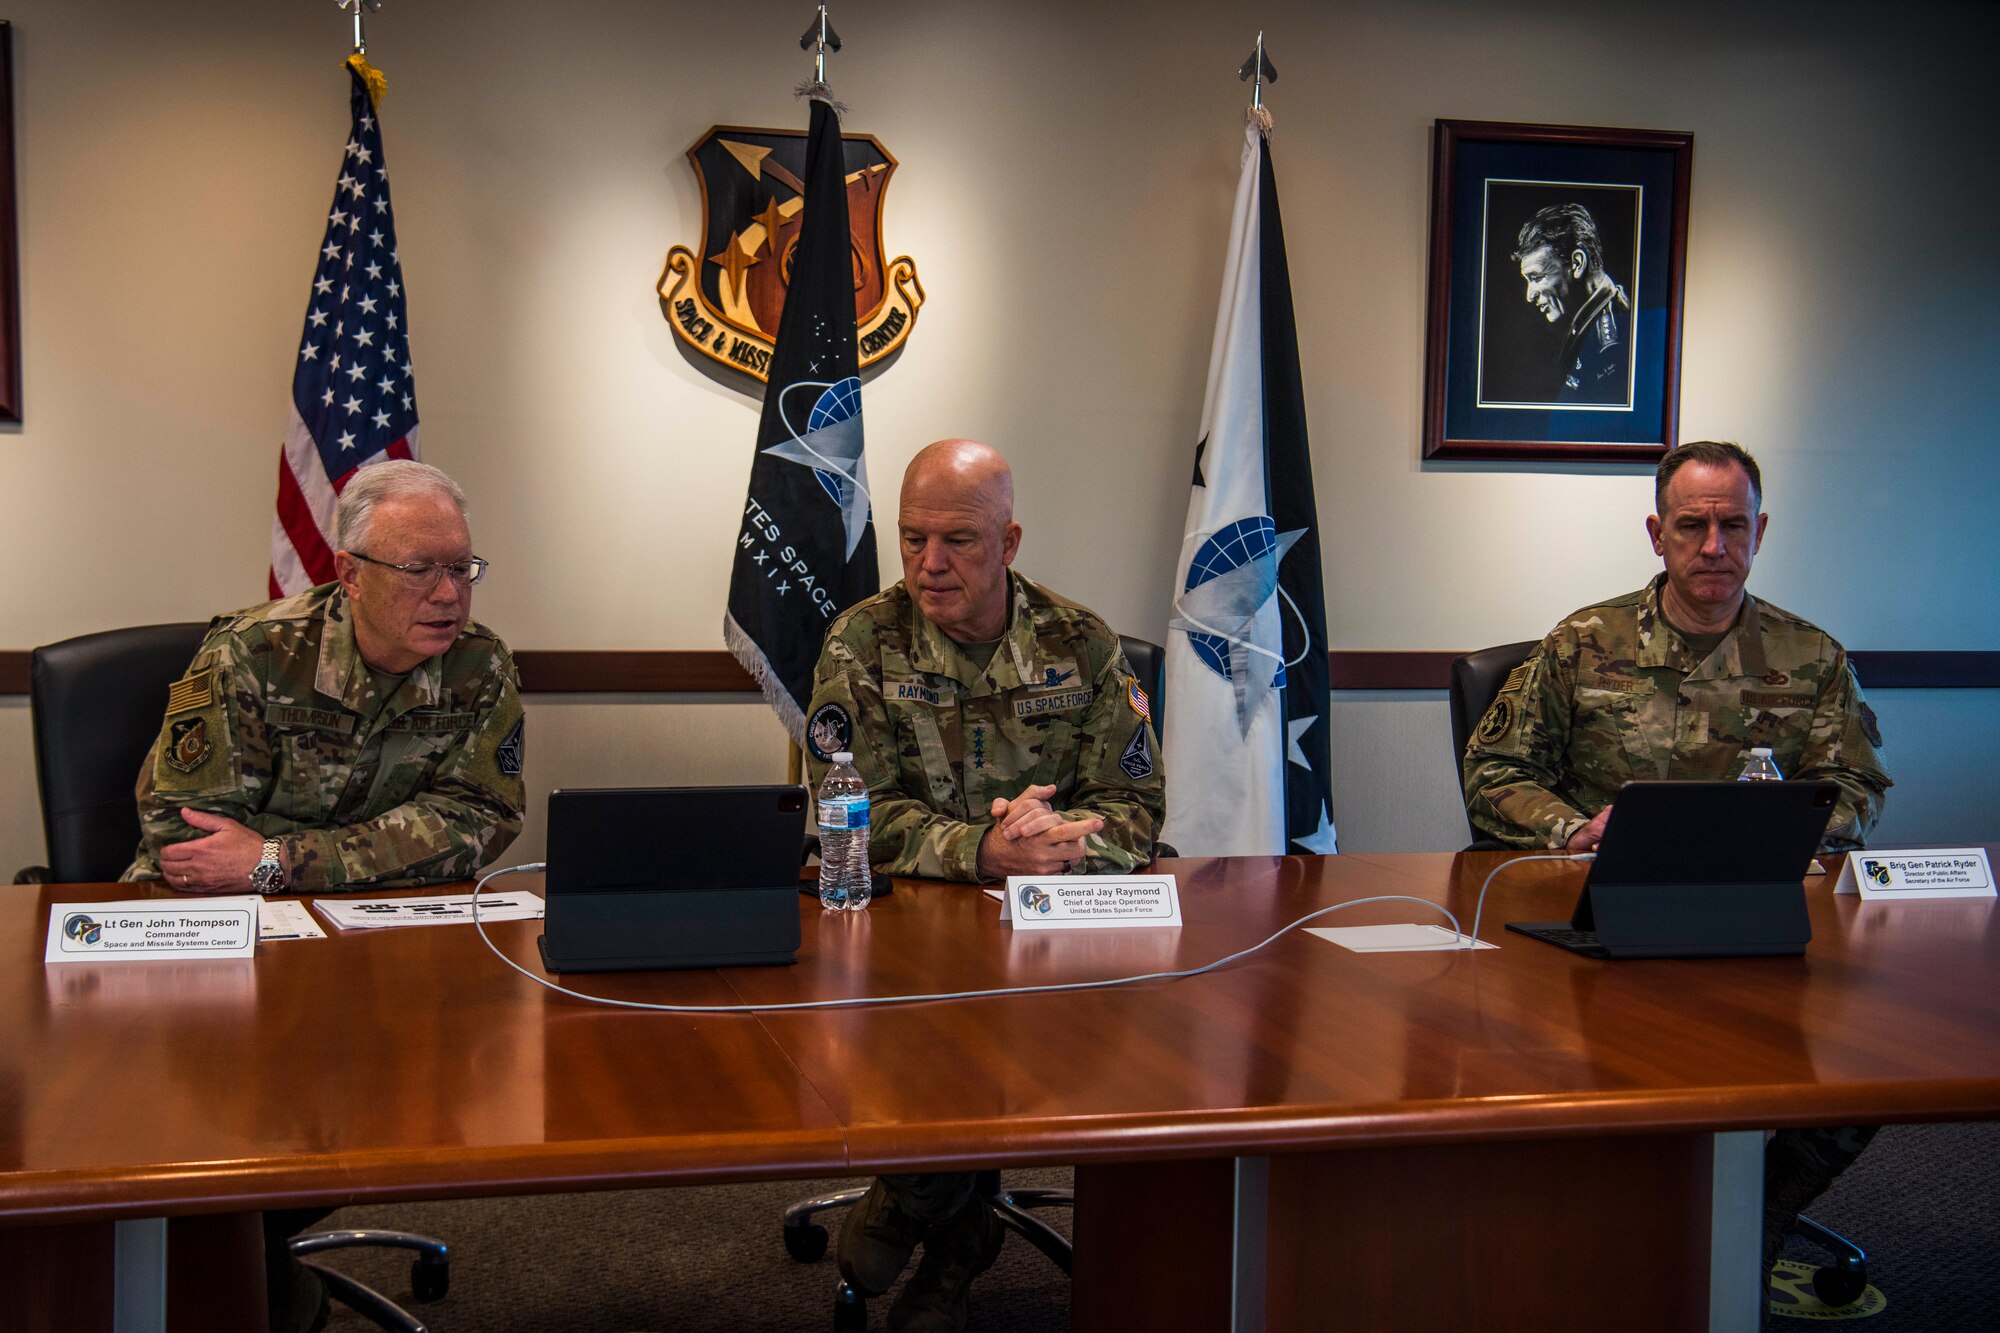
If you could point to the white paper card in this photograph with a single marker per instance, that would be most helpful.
(1090, 902)
(1405, 937)
(287, 919)
(1938, 872)
(152, 928)
(445, 909)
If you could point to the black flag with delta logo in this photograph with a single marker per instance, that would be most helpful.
(806, 547)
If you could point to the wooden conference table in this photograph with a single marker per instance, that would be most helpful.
(1513, 1138)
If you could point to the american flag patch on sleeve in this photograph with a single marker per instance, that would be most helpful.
(1137, 698)
(196, 691)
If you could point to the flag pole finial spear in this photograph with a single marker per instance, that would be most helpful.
(819, 38)
(357, 7)
(1258, 71)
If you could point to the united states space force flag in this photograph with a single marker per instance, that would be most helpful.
(1246, 718)
(354, 396)
(806, 548)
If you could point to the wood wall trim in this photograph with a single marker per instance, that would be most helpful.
(714, 671)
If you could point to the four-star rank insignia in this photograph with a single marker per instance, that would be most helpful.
(724, 299)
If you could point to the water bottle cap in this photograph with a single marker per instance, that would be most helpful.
(1761, 750)
(846, 757)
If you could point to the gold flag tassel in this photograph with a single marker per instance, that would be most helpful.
(377, 81)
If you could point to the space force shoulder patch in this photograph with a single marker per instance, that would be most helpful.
(829, 732)
(1498, 718)
(513, 750)
(1137, 761)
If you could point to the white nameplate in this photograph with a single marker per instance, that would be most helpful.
(152, 928)
(1940, 872)
(1075, 902)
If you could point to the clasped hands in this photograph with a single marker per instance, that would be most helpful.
(221, 862)
(1029, 837)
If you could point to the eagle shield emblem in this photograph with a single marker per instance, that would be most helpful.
(724, 299)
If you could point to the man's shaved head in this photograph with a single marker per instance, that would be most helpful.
(966, 471)
(957, 535)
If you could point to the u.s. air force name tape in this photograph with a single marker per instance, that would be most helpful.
(1090, 902)
(1936, 872)
(152, 928)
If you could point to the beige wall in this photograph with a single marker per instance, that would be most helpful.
(1065, 186)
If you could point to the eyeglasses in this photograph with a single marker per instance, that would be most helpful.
(424, 575)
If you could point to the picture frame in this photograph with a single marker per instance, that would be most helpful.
(1558, 263)
(10, 241)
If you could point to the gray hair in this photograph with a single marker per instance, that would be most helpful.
(385, 481)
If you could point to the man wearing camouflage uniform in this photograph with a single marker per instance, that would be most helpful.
(367, 726)
(1678, 681)
(1000, 732)
(362, 734)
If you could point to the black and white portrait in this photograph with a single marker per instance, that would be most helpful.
(1557, 293)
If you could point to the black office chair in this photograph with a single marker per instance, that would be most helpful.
(1475, 680)
(806, 1240)
(96, 702)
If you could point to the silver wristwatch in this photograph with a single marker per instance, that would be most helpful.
(268, 875)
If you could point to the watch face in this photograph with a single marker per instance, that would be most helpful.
(267, 877)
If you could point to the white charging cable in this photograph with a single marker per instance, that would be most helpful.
(860, 1000)
(1480, 906)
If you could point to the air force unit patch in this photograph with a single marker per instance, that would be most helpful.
(188, 746)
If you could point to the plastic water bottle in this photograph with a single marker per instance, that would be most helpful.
(1758, 766)
(843, 837)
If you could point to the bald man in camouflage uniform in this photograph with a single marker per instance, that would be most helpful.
(1000, 732)
(1678, 681)
(365, 733)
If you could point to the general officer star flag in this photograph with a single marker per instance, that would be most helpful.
(1246, 725)
(354, 398)
(806, 548)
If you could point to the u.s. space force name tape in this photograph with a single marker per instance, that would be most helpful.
(1936, 872)
(152, 928)
(1093, 902)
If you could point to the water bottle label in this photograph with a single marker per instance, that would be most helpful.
(844, 812)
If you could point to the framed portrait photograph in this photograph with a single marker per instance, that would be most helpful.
(1558, 256)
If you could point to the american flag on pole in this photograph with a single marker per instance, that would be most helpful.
(354, 399)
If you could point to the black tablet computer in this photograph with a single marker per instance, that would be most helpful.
(1698, 870)
(648, 878)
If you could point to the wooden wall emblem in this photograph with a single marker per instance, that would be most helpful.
(724, 299)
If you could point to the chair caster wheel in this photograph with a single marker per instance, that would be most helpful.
(850, 1310)
(1836, 1286)
(806, 1242)
(430, 1279)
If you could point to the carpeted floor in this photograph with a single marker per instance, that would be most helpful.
(1924, 1201)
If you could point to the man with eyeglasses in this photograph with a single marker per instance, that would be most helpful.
(366, 733)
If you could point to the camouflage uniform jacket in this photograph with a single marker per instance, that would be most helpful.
(277, 724)
(1615, 694)
(937, 739)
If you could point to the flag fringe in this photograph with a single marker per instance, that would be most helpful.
(377, 81)
(1260, 116)
(745, 650)
(815, 91)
